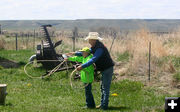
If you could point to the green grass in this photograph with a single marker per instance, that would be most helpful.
(54, 94)
(124, 57)
(177, 76)
(175, 61)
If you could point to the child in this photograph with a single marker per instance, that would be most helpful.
(87, 75)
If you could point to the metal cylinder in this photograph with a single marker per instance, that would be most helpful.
(3, 93)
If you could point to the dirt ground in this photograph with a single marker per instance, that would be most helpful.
(8, 63)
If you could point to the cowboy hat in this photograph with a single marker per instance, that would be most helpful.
(94, 36)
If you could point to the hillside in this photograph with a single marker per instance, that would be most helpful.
(154, 25)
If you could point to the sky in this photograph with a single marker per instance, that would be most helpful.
(88, 9)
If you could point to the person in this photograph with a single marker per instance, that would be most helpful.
(104, 64)
(87, 75)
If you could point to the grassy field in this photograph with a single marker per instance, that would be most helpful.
(54, 94)
(135, 93)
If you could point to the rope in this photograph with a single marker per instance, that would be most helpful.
(51, 72)
(71, 79)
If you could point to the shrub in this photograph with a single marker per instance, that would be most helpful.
(2, 44)
(124, 56)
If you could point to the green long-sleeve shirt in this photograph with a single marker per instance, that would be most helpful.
(87, 74)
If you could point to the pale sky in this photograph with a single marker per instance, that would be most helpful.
(88, 9)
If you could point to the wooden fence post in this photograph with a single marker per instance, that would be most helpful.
(16, 42)
(75, 34)
(0, 30)
(114, 34)
(34, 40)
(149, 61)
(28, 40)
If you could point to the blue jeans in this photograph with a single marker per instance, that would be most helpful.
(89, 96)
(105, 86)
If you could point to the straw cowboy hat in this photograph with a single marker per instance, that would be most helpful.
(94, 36)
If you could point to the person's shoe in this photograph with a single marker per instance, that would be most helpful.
(104, 108)
(86, 107)
(101, 107)
(98, 107)
(92, 107)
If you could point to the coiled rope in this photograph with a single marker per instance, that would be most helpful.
(71, 79)
(53, 71)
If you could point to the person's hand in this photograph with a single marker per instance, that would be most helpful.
(79, 68)
(65, 59)
(70, 54)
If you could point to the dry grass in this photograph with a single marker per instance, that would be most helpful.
(135, 43)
